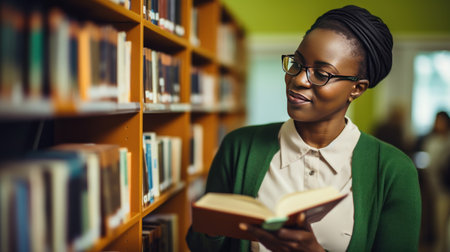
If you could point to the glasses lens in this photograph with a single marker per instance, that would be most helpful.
(290, 66)
(318, 76)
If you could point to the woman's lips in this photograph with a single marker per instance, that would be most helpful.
(297, 98)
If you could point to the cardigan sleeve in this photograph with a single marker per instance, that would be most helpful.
(399, 223)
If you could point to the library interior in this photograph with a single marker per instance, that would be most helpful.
(112, 111)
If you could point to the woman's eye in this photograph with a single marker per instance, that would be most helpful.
(320, 74)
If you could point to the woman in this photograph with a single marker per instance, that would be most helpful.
(346, 51)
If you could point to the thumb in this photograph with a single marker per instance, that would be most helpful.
(302, 222)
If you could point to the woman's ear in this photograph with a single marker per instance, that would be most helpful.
(358, 89)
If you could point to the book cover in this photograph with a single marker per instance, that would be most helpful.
(151, 137)
(168, 225)
(145, 182)
(148, 164)
(155, 76)
(226, 211)
(124, 185)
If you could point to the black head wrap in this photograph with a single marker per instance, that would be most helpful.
(370, 31)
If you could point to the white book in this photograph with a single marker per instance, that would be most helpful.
(121, 67)
(5, 194)
(155, 76)
(124, 186)
(198, 147)
(127, 75)
(94, 198)
(176, 159)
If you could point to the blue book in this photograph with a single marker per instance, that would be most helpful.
(148, 157)
(22, 220)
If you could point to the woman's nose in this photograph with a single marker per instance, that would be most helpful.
(301, 79)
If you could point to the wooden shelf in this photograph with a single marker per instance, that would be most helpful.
(105, 241)
(94, 108)
(215, 109)
(201, 56)
(156, 108)
(103, 11)
(162, 40)
(124, 124)
(45, 109)
(26, 109)
(164, 197)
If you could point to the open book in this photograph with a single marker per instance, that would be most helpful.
(221, 213)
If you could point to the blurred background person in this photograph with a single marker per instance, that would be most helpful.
(434, 158)
(391, 130)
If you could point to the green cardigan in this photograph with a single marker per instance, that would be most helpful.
(386, 194)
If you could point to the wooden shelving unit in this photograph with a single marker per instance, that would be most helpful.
(124, 124)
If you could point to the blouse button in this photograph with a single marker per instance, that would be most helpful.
(311, 173)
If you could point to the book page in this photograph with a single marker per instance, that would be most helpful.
(298, 201)
(234, 203)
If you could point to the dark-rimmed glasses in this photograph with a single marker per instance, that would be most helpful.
(315, 76)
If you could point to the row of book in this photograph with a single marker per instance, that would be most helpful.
(193, 36)
(161, 77)
(227, 44)
(229, 92)
(162, 165)
(160, 233)
(64, 198)
(203, 88)
(207, 92)
(165, 14)
(45, 54)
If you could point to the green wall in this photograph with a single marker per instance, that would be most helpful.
(292, 16)
(404, 17)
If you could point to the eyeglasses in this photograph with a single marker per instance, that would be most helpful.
(315, 76)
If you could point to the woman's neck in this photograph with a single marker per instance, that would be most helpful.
(320, 134)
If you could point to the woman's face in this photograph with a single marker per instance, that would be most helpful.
(333, 53)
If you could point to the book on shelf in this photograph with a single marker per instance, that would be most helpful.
(164, 13)
(125, 179)
(108, 165)
(123, 68)
(48, 55)
(162, 164)
(74, 203)
(193, 38)
(151, 238)
(76, 193)
(63, 61)
(12, 46)
(227, 210)
(34, 84)
(203, 88)
(149, 93)
(196, 150)
(151, 144)
(161, 77)
(155, 75)
(148, 187)
(227, 43)
(163, 228)
(228, 91)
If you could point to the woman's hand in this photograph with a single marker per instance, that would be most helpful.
(297, 238)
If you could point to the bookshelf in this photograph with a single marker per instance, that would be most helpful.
(44, 122)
